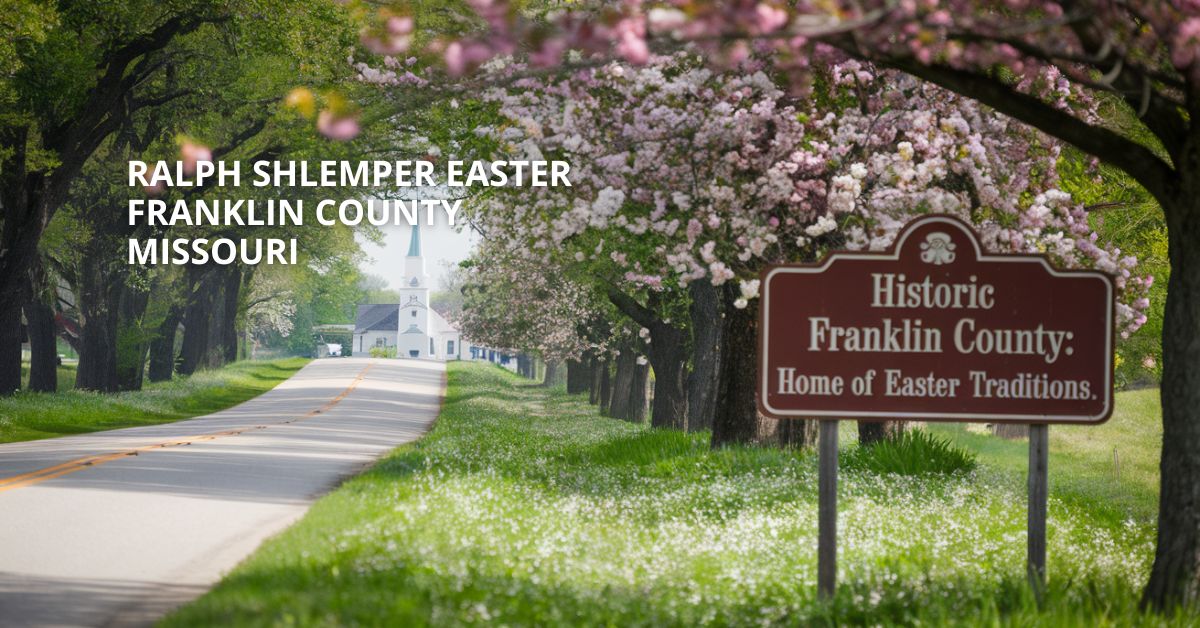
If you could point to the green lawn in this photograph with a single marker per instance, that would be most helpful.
(523, 507)
(1083, 465)
(30, 416)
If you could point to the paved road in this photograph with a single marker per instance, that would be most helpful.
(116, 528)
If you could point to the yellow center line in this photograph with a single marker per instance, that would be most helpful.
(79, 464)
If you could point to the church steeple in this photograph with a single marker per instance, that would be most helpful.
(414, 244)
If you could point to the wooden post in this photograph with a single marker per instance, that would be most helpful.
(827, 510)
(1039, 450)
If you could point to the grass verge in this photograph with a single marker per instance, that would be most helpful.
(30, 416)
(523, 507)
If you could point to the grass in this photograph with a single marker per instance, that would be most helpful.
(30, 416)
(1083, 465)
(523, 507)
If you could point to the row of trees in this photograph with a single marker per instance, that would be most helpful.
(1042, 62)
(84, 89)
(686, 182)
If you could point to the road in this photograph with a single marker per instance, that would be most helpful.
(116, 528)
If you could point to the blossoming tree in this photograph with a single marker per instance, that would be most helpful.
(682, 177)
(512, 303)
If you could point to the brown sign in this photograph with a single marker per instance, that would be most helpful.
(937, 330)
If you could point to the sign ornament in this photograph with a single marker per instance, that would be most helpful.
(937, 249)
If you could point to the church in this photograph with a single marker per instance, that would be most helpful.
(411, 327)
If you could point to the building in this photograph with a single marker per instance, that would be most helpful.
(411, 327)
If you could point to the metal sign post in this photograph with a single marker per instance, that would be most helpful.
(1039, 456)
(827, 480)
(935, 329)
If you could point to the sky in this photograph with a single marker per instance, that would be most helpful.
(439, 244)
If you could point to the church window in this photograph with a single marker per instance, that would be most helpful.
(414, 313)
(414, 283)
(449, 347)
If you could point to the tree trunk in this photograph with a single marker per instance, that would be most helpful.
(622, 387)
(605, 400)
(870, 432)
(551, 377)
(797, 433)
(637, 392)
(231, 298)
(667, 353)
(20, 199)
(195, 323)
(43, 359)
(204, 328)
(1175, 576)
(1011, 431)
(162, 347)
(669, 356)
(594, 379)
(705, 311)
(578, 376)
(97, 368)
(132, 342)
(523, 366)
(10, 344)
(736, 418)
(39, 317)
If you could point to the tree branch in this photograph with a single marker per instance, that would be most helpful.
(1157, 176)
(631, 308)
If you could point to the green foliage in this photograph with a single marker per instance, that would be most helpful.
(1124, 213)
(30, 416)
(383, 352)
(374, 289)
(523, 507)
(912, 452)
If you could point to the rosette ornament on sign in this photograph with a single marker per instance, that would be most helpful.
(936, 329)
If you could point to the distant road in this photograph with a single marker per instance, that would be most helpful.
(116, 528)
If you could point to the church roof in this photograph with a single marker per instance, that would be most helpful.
(386, 317)
(439, 325)
(377, 317)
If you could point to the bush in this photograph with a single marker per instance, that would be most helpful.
(383, 352)
(913, 452)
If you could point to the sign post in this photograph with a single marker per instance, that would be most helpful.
(935, 329)
(827, 481)
(1039, 450)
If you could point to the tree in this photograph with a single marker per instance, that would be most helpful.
(374, 289)
(1029, 59)
(510, 302)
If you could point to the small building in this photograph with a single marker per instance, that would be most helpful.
(411, 327)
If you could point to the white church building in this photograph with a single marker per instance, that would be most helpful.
(411, 326)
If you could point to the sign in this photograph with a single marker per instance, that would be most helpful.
(936, 330)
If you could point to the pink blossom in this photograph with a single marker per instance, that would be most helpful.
(191, 152)
(337, 127)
